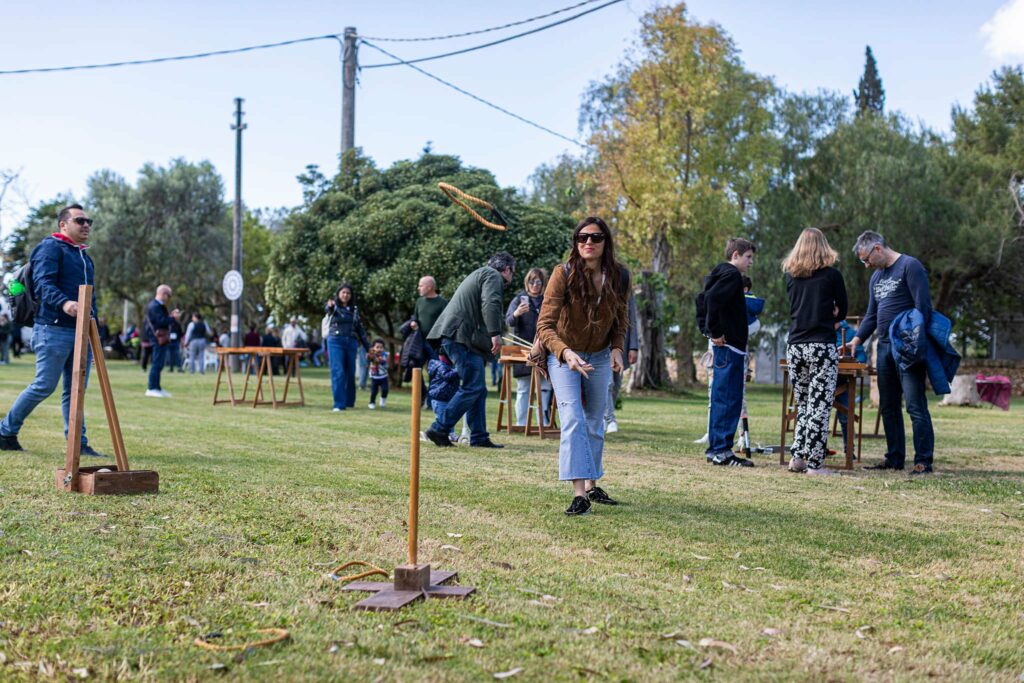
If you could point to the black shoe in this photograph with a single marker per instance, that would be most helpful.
(487, 444)
(439, 438)
(580, 506)
(597, 495)
(10, 443)
(921, 468)
(885, 465)
(90, 452)
(733, 461)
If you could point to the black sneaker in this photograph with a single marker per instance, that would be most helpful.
(487, 444)
(10, 443)
(597, 495)
(885, 465)
(439, 438)
(90, 452)
(921, 468)
(733, 461)
(580, 506)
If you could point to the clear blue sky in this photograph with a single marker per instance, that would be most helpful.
(60, 128)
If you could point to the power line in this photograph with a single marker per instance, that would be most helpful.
(475, 97)
(494, 42)
(178, 58)
(483, 30)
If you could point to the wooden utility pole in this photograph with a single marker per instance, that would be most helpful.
(236, 241)
(350, 62)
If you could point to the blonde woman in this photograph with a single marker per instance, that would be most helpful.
(817, 304)
(521, 318)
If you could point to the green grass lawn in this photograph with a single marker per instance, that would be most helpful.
(859, 577)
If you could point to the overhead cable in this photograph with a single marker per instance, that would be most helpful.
(475, 97)
(483, 30)
(493, 42)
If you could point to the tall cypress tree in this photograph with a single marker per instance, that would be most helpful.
(869, 96)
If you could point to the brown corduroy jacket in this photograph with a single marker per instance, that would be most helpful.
(581, 328)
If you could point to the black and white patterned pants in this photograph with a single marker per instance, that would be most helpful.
(813, 368)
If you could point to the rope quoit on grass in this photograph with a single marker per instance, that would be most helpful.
(457, 196)
(373, 570)
(279, 634)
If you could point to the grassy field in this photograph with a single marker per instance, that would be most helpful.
(859, 577)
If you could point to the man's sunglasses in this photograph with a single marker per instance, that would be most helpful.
(594, 237)
(82, 220)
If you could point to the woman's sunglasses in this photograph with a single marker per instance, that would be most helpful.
(594, 237)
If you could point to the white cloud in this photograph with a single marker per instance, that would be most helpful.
(1004, 32)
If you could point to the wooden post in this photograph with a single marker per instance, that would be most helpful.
(414, 465)
(120, 455)
(74, 445)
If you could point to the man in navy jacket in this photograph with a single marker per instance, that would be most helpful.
(157, 318)
(59, 266)
(899, 283)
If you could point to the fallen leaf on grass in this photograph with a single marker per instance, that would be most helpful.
(687, 578)
(670, 636)
(777, 586)
(863, 630)
(726, 584)
(503, 565)
(508, 674)
(771, 632)
(27, 552)
(3, 659)
(436, 658)
(737, 555)
(472, 642)
(706, 664)
(260, 604)
(587, 631)
(165, 517)
(943, 577)
(451, 535)
(585, 670)
(81, 673)
(702, 558)
(405, 622)
(272, 662)
(984, 510)
(453, 548)
(380, 661)
(893, 650)
(720, 644)
(152, 528)
(538, 603)
(687, 644)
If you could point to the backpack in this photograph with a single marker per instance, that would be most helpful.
(20, 294)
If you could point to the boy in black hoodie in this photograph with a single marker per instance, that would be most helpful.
(726, 325)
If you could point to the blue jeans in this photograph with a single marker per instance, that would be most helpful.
(157, 364)
(726, 401)
(581, 448)
(173, 361)
(438, 407)
(895, 386)
(364, 370)
(55, 358)
(471, 398)
(341, 352)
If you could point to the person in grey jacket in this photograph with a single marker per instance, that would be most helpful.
(521, 317)
(469, 330)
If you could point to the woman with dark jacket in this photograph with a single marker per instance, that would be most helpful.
(413, 352)
(817, 304)
(583, 328)
(521, 317)
(345, 335)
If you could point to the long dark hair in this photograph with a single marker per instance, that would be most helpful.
(579, 286)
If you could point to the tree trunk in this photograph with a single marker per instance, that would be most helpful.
(651, 372)
(686, 372)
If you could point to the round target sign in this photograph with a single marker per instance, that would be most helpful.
(232, 285)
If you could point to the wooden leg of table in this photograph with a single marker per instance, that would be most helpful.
(298, 381)
(120, 457)
(259, 381)
(231, 382)
(249, 367)
(785, 416)
(270, 373)
(288, 368)
(220, 372)
(501, 403)
(851, 411)
(528, 430)
(860, 417)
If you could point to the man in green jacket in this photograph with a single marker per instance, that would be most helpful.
(469, 330)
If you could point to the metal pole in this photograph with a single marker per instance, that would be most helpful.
(350, 62)
(236, 241)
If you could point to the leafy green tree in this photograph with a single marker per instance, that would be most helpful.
(173, 227)
(381, 230)
(40, 222)
(869, 95)
(683, 147)
(564, 186)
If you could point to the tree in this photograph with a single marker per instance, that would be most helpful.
(381, 230)
(173, 227)
(682, 148)
(564, 186)
(869, 95)
(40, 222)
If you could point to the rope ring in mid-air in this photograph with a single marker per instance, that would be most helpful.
(457, 196)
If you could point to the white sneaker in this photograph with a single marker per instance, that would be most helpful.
(703, 439)
(611, 427)
(371, 406)
(336, 410)
(154, 393)
(383, 402)
(165, 394)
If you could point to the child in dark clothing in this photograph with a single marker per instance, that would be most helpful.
(377, 358)
(444, 382)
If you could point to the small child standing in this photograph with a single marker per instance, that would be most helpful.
(444, 382)
(377, 358)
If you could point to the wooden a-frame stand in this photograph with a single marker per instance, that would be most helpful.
(413, 580)
(90, 480)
